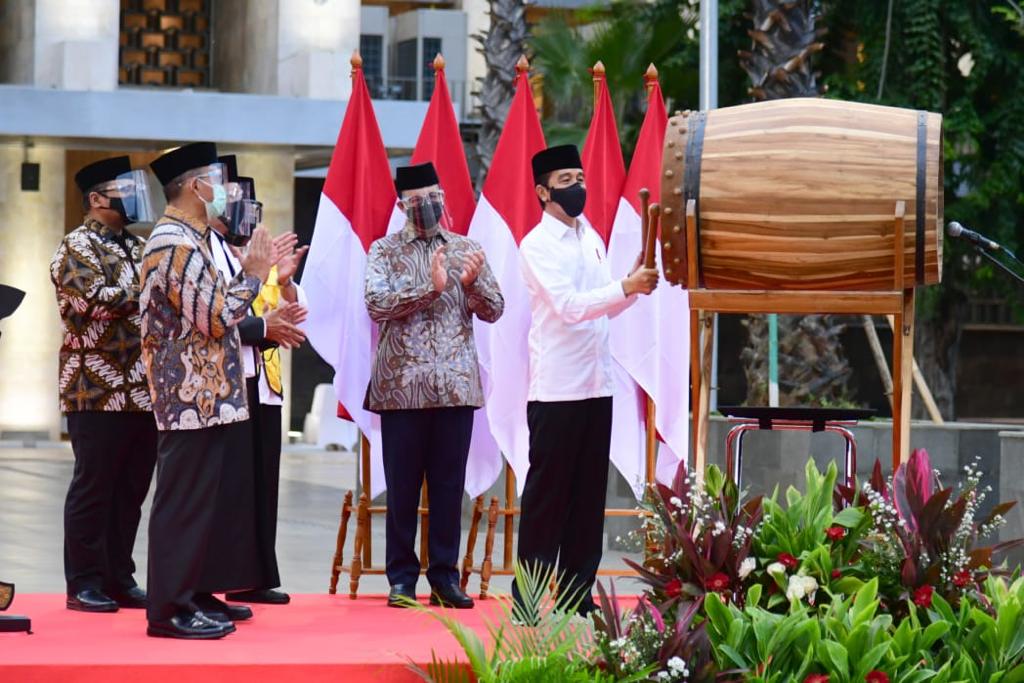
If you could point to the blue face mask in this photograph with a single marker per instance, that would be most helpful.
(218, 205)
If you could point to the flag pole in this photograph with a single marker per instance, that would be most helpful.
(647, 225)
(709, 101)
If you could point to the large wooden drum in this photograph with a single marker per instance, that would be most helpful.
(800, 194)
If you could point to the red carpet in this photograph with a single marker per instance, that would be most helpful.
(315, 638)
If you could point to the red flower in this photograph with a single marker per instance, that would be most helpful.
(877, 676)
(787, 561)
(961, 578)
(922, 598)
(816, 678)
(674, 588)
(717, 583)
(836, 573)
(835, 533)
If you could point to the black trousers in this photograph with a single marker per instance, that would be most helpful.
(114, 457)
(431, 442)
(181, 523)
(267, 437)
(234, 559)
(564, 496)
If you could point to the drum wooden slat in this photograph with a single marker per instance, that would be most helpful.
(799, 194)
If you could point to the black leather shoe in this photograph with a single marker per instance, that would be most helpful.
(133, 598)
(450, 595)
(261, 597)
(187, 626)
(399, 591)
(219, 610)
(91, 600)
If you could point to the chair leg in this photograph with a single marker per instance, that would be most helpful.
(467, 561)
(339, 545)
(362, 532)
(488, 564)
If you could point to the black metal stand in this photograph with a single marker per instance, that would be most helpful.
(1002, 266)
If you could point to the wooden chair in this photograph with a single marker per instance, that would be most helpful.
(362, 551)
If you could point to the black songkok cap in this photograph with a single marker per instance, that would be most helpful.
(248, 186)
(184, 159)
(10, 299)
(415, 177)
(102, 171)
(555, 159)
(230, 162)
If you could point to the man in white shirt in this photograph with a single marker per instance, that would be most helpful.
(242, 557)
(572, 295)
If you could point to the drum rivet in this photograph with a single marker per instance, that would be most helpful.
(669, 173)
(675, 260)
(677, 191)
(668, 210)
(677, 229)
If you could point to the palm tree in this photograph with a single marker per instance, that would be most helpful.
(502, 46)
(812, 367)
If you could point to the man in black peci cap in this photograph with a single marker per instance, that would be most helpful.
(424, 284)
(103, 390)
(191, 350)
(569, 413)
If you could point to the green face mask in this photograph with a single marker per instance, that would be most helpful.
(219, 205)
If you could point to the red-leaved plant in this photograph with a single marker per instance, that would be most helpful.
(925, 534)
(700, 538)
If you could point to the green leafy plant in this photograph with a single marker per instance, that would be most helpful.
(539, 639)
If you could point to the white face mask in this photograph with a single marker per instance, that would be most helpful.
(216, 207)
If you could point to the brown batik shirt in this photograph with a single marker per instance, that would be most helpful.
(96, 275)
(426, 355)
(189, 336)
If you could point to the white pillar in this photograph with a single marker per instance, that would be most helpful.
(76, 44)
(31, 338)
(315, 40)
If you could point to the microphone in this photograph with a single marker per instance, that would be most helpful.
(954, 229)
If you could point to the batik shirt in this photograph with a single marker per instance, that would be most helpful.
(189, 340)
(96, 274)
(426, 354)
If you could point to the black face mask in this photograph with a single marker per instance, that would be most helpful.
(572, 199)
(117, 204)
(426, 217)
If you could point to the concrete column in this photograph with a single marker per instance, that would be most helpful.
(17, 36)
(76, 44)
(29, 236)
(294, 48)
(273, 171)
(478, 22)
(1011, 488)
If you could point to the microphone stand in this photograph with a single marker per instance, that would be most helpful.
(1006, 269)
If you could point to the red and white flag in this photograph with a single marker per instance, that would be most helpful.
(651, 339)
(508, 209)
(357, 206)
(440, 143)
(605, 174)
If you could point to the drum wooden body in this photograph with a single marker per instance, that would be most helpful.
(800, 194)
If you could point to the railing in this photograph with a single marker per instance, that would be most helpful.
(411, 89)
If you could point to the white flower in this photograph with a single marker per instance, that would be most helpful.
(801, 586)
(675, 501)
(747, 566)
(776, 568)
(678, 667)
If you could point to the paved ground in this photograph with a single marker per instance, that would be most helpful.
(33, 482)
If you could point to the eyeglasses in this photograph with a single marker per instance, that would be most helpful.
(418, 200)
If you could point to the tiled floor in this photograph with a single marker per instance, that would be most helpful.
(33, 482)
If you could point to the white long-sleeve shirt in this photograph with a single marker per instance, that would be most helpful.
(228, 266)
(572, 295)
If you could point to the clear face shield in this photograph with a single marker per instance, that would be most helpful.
(130, 195)
(242, 214)
(428, 211)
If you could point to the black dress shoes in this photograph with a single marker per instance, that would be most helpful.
(261, 597)
(133, 598)
(400, 591)
(91, 600)
(450, 595)
(219, 610)
(188, 626)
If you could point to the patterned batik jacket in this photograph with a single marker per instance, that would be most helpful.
(96, 276)
(189, 340)
(426, 354)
